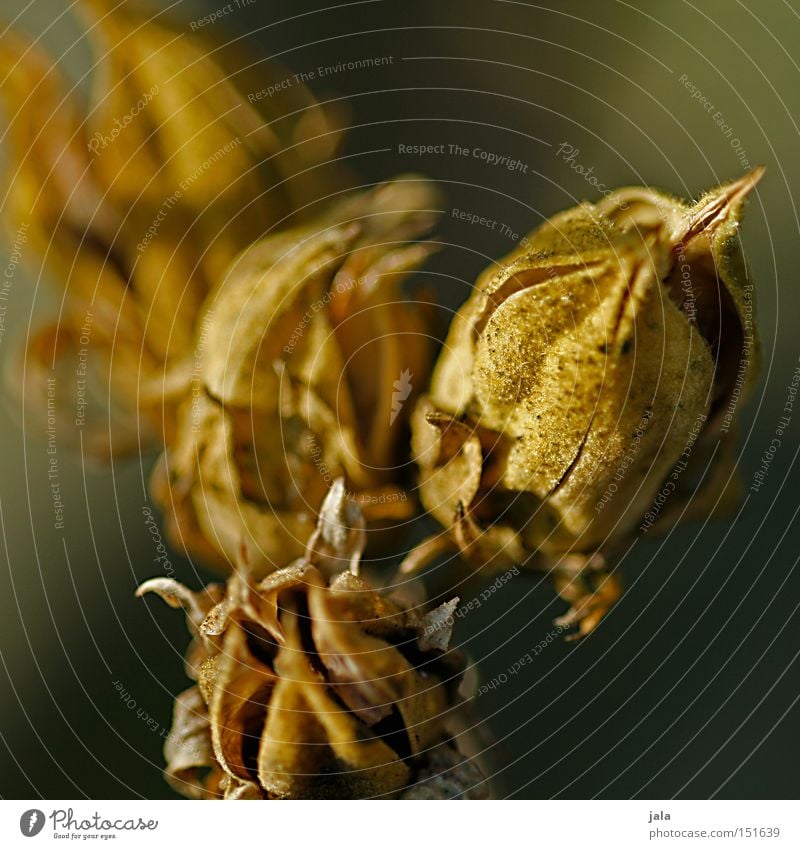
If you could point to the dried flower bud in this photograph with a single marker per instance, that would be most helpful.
(598, 364)
(308, 688)
(292, 381)
(139, 203)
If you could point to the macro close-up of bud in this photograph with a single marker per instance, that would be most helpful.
(310, 687)
(292, 382)
(586, 384)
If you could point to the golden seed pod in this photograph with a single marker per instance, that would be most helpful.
(309, 688)
(293, 380)
(139, 200)
(594, 368)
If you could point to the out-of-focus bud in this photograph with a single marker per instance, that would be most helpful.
(294, 379)
(313, 688)
(585, 385)
(137, 202)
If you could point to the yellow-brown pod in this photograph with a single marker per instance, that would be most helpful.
(309, 687)
(293, 377)
(596, 365)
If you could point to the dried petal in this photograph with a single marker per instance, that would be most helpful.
(340, 533)
(191, 768)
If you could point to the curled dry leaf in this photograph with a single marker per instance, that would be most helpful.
(138, 202)
(309, 688)
(594, 369)
(290, 384)
(188, 751)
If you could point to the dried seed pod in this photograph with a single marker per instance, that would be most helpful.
(309, 688)
(292, 381)
(596, 367)
(138, 203)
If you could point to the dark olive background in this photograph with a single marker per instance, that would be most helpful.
(690, 687)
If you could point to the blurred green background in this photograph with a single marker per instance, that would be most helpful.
(690, 687)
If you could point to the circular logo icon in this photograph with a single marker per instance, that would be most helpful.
(31, 822)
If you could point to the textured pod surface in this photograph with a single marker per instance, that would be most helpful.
(309, 688)
(292, 382)
(604, 357)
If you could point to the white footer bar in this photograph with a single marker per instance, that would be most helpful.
(400, 825)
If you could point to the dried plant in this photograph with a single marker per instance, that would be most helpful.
(291, 382)
(139, 201)
(256, 317)
(308, 687)
(595, 367)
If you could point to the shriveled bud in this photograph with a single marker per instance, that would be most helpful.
(292, 381)
(137, 204)
(598, 364)
(308, 688)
